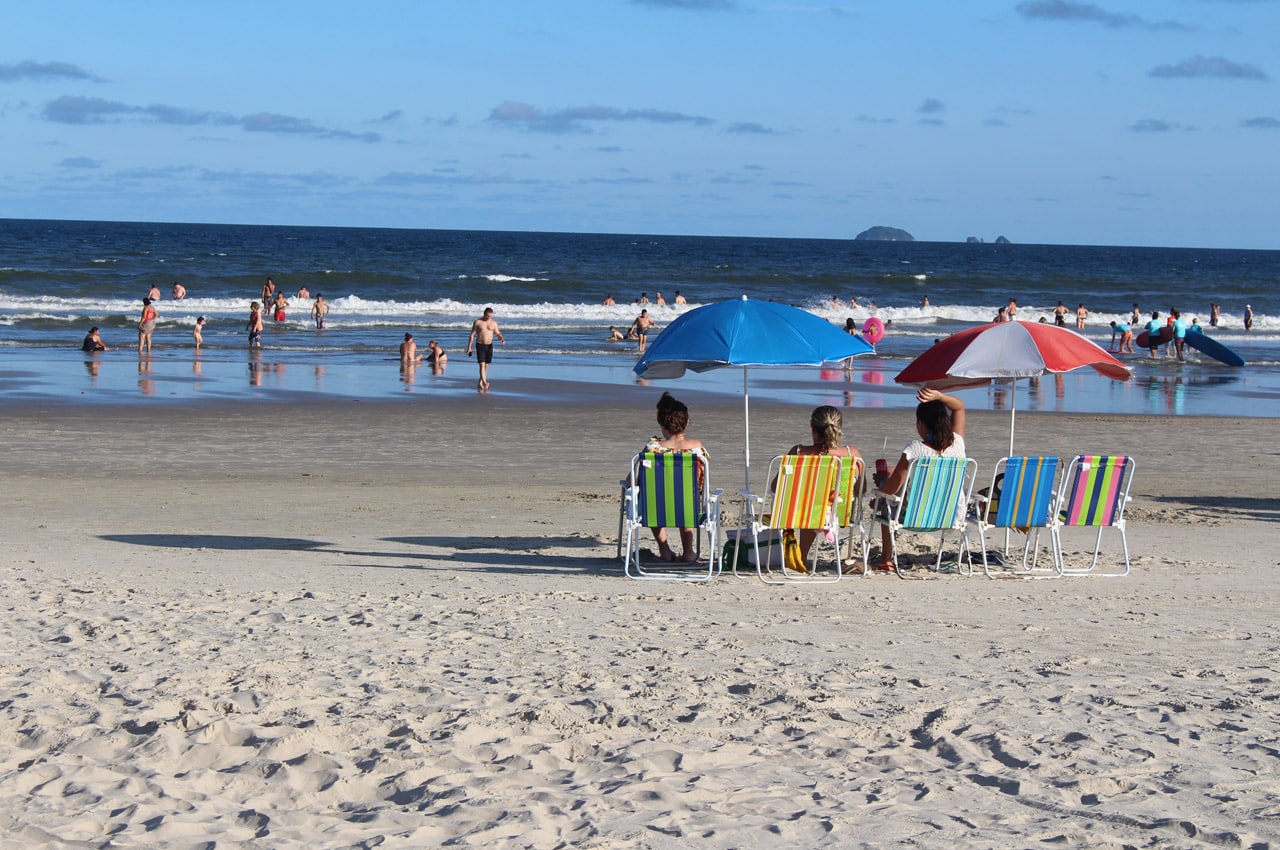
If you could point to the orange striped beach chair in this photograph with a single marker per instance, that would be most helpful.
(805, 494)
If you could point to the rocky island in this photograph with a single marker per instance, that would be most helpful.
(885, 234)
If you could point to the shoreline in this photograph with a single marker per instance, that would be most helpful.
(72, 378)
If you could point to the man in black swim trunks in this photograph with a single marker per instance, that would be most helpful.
(481, 339)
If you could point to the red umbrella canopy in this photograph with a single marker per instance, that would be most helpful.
(1006, 351)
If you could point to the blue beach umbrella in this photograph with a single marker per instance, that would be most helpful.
(746, 333)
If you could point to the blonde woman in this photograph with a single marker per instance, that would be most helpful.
(826, 427)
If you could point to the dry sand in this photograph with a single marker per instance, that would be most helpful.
(401, 625)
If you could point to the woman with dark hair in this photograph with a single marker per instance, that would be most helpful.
(146, 326)
(826, 426)
(940, 421)
(673, 420)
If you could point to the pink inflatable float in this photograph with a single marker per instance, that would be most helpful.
(873, 330)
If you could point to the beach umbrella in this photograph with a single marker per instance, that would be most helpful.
(1007, 351)
(746, 333)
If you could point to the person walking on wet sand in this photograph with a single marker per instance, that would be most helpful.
(481, 339)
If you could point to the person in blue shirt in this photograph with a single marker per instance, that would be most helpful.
(1179, 333)
(1126, 337)
(1153, 334)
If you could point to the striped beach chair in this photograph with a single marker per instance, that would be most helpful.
(1095, 491)
(670, 490)
(806, 496)
(849, 510)
(1021, 498)
(934, 499)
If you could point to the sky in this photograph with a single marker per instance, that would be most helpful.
(1043, 121)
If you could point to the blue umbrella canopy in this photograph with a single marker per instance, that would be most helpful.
(746, 333)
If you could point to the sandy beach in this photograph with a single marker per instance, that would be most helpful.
(401, 624)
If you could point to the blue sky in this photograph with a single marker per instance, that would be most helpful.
(1118, 122)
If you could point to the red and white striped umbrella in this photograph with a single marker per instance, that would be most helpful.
(1006, 351)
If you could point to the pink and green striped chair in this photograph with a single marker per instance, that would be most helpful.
(1095, 491)
(805, 495)
(670, 490)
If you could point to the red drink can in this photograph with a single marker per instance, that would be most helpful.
(882, 468)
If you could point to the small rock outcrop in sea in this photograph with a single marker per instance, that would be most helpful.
(973, 240)
(885, 234)
(1000, 240)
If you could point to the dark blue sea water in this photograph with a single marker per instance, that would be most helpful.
(59, 277)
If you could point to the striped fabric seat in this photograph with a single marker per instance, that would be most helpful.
(1095, 490)
(805, 491)
(935, 494)
(1021, 498)
(935, 499)
(1027, 493)
(670, 490)
(1096, 494)
(805, 497)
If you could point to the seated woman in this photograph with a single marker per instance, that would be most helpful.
(940, 420)
(826, 426)
(673, 419)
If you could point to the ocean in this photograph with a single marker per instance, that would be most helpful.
(57, 278)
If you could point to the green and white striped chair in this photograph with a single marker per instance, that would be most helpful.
(670, 490)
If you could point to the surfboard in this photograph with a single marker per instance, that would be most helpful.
(1143, 339)
(1210, 346)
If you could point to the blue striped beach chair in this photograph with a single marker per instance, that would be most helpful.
(934, 499)
(1095, 491)
(670, 490)
(1021, 498)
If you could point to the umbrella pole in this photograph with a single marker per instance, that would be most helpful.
(746, 433)
(1013, 412)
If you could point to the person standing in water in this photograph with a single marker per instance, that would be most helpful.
(146, 326)
(320, 311)
(254, 325)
